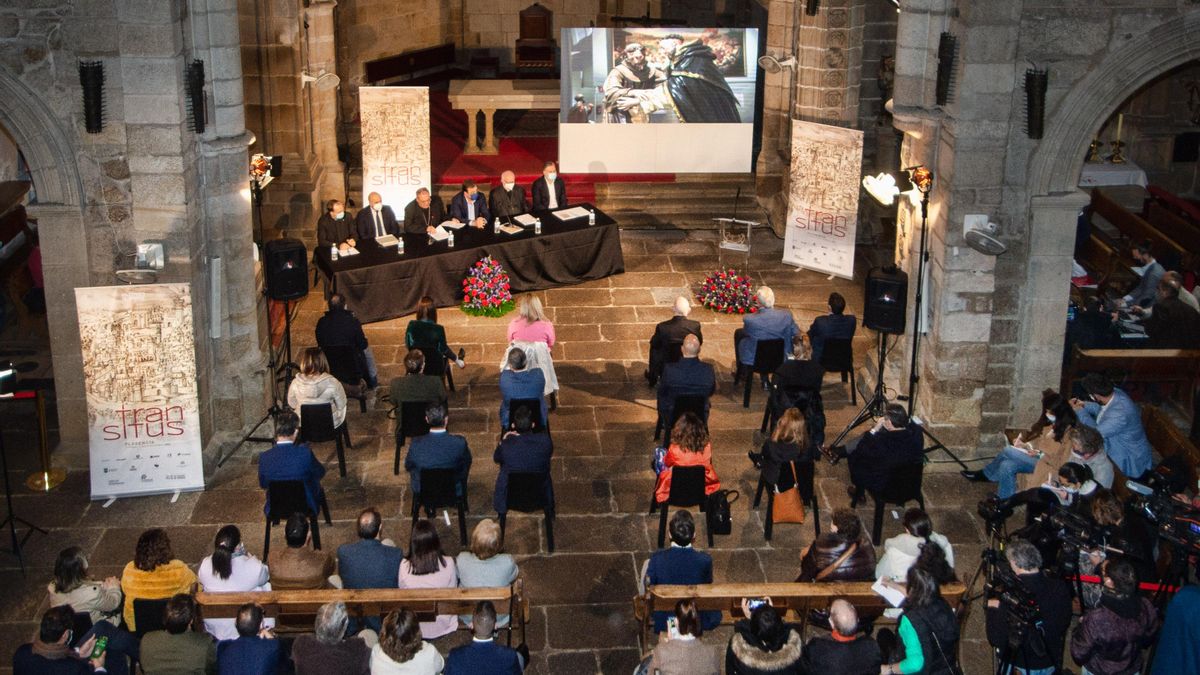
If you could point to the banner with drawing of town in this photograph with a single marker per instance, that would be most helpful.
(826, 176)
(139, 369)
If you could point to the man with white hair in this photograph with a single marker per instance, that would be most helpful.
(846, 650)
(329, 649)
(668, 335)
(766, 323)
(508, 199)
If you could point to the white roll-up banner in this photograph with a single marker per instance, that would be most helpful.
(823, 190)
(395, 143)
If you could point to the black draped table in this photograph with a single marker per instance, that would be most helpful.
(379, 284)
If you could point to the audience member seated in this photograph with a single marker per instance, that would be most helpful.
(334, 228)
(522, 450)
(180, 649)
(72, 586)
(154, 573)
(438, 449)
(1073, 489)
(797, 384)
(427, 567)
(415, 385)
(901, 551)
(834, 325)
(550, 191)
(340, 328)
(289, 460)
(1034, 453)
(1150, 271)
(423, 214)
(763, 644)
(230, 569)
(666, 333)
(255, 651)
(680, 565)
(1187, 297)
(788, 443)
(519, 381)
(841, 553)
(767, 323)
(370, 562)
(483, 656)
(531, 332)
(401, 651)
(690, 446)
(927, 631)
(1178, 649)
(846, 651)
(893, 442)
(1173, 324)
(689, 376)
(1087, 448)
(376, 220)
(1033, 651)
(469, 207)
(1093, 327)
(1119, 421)
(315, 385)
(426, 334)
(299, 567)
(680, 651)
(484, 566)
(328, 649)
(507, 199)
(1111, 637)
(51, 653)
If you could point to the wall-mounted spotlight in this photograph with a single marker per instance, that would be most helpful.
(773, 64)
(322, 81)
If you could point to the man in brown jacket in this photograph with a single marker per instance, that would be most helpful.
(298, 567)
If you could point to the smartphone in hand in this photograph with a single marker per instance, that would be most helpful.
(755, 603)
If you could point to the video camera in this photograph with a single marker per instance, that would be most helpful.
(1003, 584)
(994, 510)
(1175, 522)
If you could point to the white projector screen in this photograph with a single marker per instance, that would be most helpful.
(657, 100)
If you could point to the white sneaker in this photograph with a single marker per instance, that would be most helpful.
(460, 363)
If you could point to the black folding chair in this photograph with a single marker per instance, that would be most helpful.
(837, 356)
(768, 356)
(410, 424)
(80, 625)
(436, 363)
(805, 474)
(682, 404)
(535, 408)
(687, 489)
(349, 366)
(316, 426)
(903, 486)
(527, 494)
(439, 487)
(671, 352)
(150, 615)
(778, 403)
(288, 497)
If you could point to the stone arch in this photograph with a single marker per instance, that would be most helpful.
(1059, 156)
(43, 142)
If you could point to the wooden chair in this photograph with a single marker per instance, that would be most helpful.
(768, 356)
(904, 485)
(527, 494)
(316, 426)
(805, 474)
(687, 490)
(287, 497)
(410, 424)
(837, 356)
(440, 487)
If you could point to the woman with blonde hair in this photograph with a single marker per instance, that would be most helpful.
(314, 385)
(534, 334)
(690, 446)
(401, 651)
(484, 566)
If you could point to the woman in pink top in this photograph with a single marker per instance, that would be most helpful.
(530, 324)
(427, 567)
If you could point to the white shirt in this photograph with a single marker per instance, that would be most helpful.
(427, 661)
(247, 574)
(470, 209)
(553, 196)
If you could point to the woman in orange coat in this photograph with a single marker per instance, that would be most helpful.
(690, 446)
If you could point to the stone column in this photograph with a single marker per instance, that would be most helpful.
(323, 103)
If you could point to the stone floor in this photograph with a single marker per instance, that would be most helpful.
(581, 595)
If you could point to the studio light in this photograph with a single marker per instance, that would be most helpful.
(888, 185)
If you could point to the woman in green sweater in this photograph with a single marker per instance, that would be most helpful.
(426, 334)
(928, 631)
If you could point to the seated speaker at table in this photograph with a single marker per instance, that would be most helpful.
(334, 228)
(508, 200)
(376, 220)
(423, 213)
(468, 206)
(549, 191)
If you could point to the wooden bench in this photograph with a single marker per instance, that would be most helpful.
(1134, 229)
(412, 66)
(1178, 229)
(1168, 440)
(797, 597)
(300, 607)
(1105, 264)
(1180, 367)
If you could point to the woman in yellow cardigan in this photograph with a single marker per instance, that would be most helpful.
(154, 573)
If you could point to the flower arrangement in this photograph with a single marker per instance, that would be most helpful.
(486, 290)
(728, 292)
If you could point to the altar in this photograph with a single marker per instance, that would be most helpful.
(488, 96)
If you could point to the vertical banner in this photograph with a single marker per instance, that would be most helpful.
(139, 370)
(395, 143)
(822, 218)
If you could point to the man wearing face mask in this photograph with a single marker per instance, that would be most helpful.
(549, 192)
(334, 229)
(468, 206)
(423, 213)
(376, 220)
(508, 200)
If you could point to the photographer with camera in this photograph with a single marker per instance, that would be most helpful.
(1120, 532)
(1027, 619)
(1109, 639)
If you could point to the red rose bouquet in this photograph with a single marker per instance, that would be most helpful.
(486, 290)
(728, 292)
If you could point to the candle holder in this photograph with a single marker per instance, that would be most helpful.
(1093, 156)
(1117, 156)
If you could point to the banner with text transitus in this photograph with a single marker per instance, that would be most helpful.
(822, 218)
(395, 143)
(139, 371)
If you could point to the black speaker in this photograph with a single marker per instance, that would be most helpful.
(286, 269)
(886, 303)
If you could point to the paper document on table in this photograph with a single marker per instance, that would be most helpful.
(348, 252)
(511, 229)
(1132, 327)
(386, 240)
(525, 219)
(453, 225)
(894, 597)
(439, 233)
(571, 213)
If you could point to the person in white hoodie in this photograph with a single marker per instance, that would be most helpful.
(314, 384)
(902, 550)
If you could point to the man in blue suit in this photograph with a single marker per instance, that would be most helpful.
(469, 206)
(438, 450)
(835, 325)
(1119, 421)
(689, 376)
(680, 564)
(522, 450)
(255, 651)
(767, 323)
(483, 656)
(519, 382)
(288, 460)
(369, 562)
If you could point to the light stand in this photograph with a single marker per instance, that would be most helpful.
(874, 407)
(7, 382)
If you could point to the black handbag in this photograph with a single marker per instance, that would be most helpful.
(719, 519)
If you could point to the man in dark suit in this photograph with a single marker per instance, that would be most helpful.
(549, 192)
(508, 200)
(689, 376)
(834, 325)
(666, 333)
(288, 460)
(1172, 324)
(522, 450)
(255, 651)
(519, 382)
(438, 450)
(895, 441)
(483, 656)
(423, 213)
(680, 564)
(376, 220)
(415, 385)
(468, 206)
(50, 652)
(340, 328)
(846, 650)
(334, 228)
(369, 562)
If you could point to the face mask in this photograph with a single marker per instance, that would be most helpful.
(509, 186)
(1050, 418)
(340, 216)
(551, 177)
(377, 207)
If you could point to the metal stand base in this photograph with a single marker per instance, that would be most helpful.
(13, 520)
(874, 407)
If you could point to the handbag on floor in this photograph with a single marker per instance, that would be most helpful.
(788, 506)
(719, 519)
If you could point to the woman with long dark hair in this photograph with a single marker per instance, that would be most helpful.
(841, 553)
(425, 333)
(401, 651)
(1033, 453)
(902, 551)
(230, 569)
(680, 651)
(426, 566)
(690, 446)
(927, 629)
